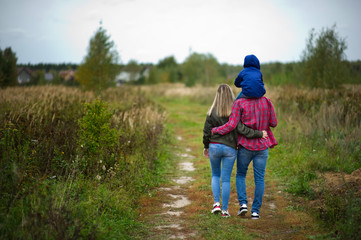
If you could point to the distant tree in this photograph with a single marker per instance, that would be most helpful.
(153, 76)
(100, 66)
(169, 70)
(38, 78)
(323, 62)
(229, 72)
(50, 66)
(2, 74)
(167, 62)
(8, 69)
(202, 68)
(211, 67)
(355, 71)
(192, 69)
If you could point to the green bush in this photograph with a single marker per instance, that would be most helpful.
(97, 141)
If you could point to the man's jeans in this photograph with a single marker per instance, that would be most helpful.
(244, 158)
(220, 154)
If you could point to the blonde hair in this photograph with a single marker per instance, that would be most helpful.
(223, 101)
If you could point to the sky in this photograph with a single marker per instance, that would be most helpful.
(58, 31)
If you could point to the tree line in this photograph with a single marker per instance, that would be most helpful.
(323, 64)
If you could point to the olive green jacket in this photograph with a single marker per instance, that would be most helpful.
(229, 139)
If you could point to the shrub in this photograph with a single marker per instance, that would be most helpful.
(97, 141)
(323, 59)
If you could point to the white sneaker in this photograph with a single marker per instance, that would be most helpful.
(243, 210)
(255, 216)
(225, 213)
(216, 208)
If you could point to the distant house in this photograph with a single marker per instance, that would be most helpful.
(67, 75)
(24, 75)
(126, 76)
(49, 76)
(146, 71)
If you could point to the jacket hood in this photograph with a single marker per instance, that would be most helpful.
(251, 61)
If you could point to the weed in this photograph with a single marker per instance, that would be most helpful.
(300, 185)
(341, 213)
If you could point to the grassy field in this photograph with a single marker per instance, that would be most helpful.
(73, 164)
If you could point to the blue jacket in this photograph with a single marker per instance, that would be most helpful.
(250, 78)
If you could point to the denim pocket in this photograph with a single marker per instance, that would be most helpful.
(230, 152)
(213, 149)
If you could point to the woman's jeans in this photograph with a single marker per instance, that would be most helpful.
(220, 154)
(244, 158)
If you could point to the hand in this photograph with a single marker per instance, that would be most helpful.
(265, 135)
(206, 152)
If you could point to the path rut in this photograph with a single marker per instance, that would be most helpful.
(170, 201)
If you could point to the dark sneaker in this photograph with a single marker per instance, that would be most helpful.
(216, 208)
(255, 215)
(243, 210)
(225, 213)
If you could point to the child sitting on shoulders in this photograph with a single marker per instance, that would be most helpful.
(250, 79)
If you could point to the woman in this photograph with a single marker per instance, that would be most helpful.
(222, 149)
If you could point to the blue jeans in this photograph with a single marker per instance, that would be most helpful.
(244, 158)
(220, 154)
(241, 95)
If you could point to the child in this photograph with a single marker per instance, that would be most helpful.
(250, 79)
(222, 149)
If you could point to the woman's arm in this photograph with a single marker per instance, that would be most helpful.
(248, 132)
(207, 132)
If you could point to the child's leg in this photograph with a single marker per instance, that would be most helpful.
(241, 95)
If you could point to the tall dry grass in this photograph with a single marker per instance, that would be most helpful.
(330, 118)
(45, 189)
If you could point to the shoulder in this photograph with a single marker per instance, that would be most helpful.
(239, 101)
(213, 115)
(266, 99)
